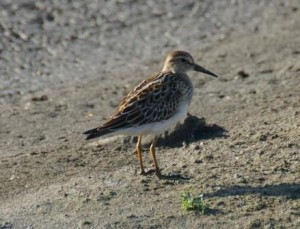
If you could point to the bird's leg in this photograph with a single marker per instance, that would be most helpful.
(152, 149)
(139, 154)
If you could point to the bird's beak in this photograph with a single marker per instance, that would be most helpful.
(198, 68)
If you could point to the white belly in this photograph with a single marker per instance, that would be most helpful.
(157, 127)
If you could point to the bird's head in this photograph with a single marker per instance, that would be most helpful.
(182, 62)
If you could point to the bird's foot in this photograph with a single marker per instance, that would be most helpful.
(151, 172)
(158, 174)
(143, 173)
(156, 171)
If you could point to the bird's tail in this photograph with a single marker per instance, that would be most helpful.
(96, 132)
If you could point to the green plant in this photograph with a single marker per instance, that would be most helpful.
(190, 202)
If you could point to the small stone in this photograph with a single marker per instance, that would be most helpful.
(252, 91)
(209, 157)
(132, 216)
(86, 223)
(242, 74)
(39, 98)
(222, 55)
(255, 224)
(266, 71)
(42, 137)
(197, 147)
(261, 179)
(262, 137)
(197, 161)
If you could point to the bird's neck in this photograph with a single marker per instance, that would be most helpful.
(172, 70)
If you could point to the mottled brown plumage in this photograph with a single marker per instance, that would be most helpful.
(155, 104)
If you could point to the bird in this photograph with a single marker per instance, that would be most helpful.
(154, 105)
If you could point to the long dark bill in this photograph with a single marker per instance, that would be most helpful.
(198, 68)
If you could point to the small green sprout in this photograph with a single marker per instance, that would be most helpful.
(191, 202)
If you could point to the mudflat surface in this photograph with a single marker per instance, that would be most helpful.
(64, 67)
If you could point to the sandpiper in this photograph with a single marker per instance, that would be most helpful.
(157, 103)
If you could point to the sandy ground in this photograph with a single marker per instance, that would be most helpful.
(65, 65)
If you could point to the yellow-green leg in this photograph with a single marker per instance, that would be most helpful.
(139, 154)
(152, 150)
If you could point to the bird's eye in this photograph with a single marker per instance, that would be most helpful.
(183, 60)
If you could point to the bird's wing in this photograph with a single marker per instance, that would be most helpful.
(150, 78)
(155, 99)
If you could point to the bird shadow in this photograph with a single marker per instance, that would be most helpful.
(193, 129)
(290, 191)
